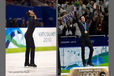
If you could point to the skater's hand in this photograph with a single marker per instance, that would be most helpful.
(35, 17)
(32, 14)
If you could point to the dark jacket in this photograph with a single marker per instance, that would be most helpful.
(32, 24)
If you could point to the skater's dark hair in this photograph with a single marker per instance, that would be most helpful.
(81, 17)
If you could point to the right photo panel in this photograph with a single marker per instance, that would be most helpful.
(83, 48)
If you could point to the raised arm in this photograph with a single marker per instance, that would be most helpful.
(76, 17)
(36, 21)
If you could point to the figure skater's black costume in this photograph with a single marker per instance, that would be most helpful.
(30, 46)
(85, 39)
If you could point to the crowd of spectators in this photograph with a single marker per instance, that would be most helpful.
(18, 22)
(15, 22)
(50, 3)
(67, 24)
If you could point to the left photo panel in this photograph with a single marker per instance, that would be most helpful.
(2, 37)
(30, 38)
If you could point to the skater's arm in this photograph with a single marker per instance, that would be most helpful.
(36, 21)
(77, 18)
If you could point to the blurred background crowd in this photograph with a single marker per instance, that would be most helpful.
(12, 22)
(51, 3)
(19, 22)
(67, 26)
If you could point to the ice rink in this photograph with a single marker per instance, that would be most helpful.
(46, 64)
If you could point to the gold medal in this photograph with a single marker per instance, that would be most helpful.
(86, 32)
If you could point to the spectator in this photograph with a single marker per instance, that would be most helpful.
(101, 25)
(90, 5)
(101, 5)
(87, 13)
(60, 27)
(15, 23)
(10, 22)
(82, 8)
(69, 30)
(22, 24)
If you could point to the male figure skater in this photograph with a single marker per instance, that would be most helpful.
(30, 46)
(85, 41)
(84, 28)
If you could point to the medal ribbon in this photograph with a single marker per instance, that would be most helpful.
(84, 25)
